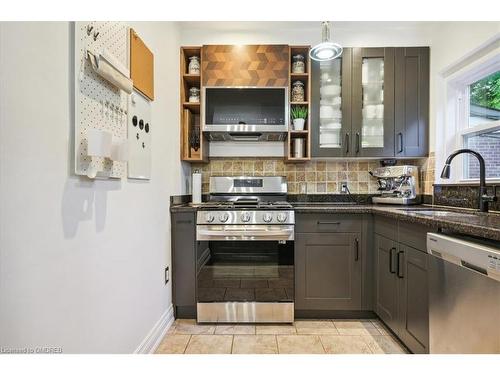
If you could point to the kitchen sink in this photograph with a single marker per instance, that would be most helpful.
(436, 212)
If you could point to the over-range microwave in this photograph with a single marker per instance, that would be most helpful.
(245, 113)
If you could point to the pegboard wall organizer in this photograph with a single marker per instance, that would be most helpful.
(99, 105)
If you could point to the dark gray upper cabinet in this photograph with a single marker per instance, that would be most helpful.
(331, 107)
(412, 101)
(372, 109)
(413, 299)
(328, 271)
(383, 94)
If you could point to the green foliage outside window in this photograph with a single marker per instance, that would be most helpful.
(486, 92)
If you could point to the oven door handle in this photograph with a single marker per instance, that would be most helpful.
(241, 234)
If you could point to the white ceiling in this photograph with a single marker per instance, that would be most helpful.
(228, 26)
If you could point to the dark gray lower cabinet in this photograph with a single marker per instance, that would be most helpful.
(386, 283)
(401, 292)
(413, 299)
(184, 264)
(328, 271)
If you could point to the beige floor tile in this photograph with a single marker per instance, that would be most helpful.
(275, 329)
(383, 345)
(190, 327)
(255, 344)
(237, 329)
(315, 327)
(173, 344)
(381, 327)
(296, 344)
(210, 344)
(345, 345)
(356, 328)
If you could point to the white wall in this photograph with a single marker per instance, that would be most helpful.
(81, 261)
(451, 43)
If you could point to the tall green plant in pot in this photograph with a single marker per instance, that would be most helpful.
(299, 115)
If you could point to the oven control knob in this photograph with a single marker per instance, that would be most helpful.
(267, 217)
(245, 217)
(281, 217)
(223, 217)
(209, 217)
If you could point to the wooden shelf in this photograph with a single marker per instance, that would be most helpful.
(192, 79)
(299, 75)
(296, 134)
(195, 107)
(190, 112)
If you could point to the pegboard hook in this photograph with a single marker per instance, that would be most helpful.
(89, 29)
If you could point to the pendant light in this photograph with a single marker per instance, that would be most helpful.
(325, 50)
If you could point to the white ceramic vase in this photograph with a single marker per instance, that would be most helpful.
(298, 123)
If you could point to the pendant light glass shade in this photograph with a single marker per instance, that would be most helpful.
(325, 50)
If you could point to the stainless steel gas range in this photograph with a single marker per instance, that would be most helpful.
(245, 235)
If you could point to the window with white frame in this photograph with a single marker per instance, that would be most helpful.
(478, 121)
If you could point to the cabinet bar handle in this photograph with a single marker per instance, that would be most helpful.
(400, 136)
(346, 143)
(392, 263)
(329, 222)
(357, 143)
(400, 265)
(357, 249)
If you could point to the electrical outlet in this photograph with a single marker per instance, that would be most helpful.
(167, 274)
(343, 188)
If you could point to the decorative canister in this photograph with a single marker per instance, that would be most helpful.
(194, 95)
(298, 148)
(298, 92)
(298, 64)
(194, 65)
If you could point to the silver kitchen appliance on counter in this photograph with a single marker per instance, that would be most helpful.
(464, 295)
(245, 256)
(397, 184)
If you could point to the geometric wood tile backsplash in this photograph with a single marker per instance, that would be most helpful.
(249, 65)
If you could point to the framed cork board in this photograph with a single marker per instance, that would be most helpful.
(141, 65)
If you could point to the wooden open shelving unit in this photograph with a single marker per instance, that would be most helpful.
(190, 113)
(305, 78)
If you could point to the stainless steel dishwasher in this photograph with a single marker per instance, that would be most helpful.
(464, 295)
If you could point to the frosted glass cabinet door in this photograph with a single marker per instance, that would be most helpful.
(330, 106)
(373, 102)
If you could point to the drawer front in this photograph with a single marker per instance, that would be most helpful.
(386, 227)
(327, 223)
(414, 235)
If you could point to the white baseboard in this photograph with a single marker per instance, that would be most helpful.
(154, 337)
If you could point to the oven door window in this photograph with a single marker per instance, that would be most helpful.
(246, 271)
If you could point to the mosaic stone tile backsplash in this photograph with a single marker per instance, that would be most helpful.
(314, 177)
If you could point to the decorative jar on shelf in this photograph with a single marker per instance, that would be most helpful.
(194, 65)
(194, 95)
(298, 64)
(298, 94)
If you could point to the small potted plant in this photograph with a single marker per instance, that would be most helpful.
(299, 115)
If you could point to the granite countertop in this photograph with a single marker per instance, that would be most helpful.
(469, 222)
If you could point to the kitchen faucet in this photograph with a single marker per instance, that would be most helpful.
(484, 198)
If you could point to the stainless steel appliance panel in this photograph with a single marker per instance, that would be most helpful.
(464, 297)
(245, 312)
